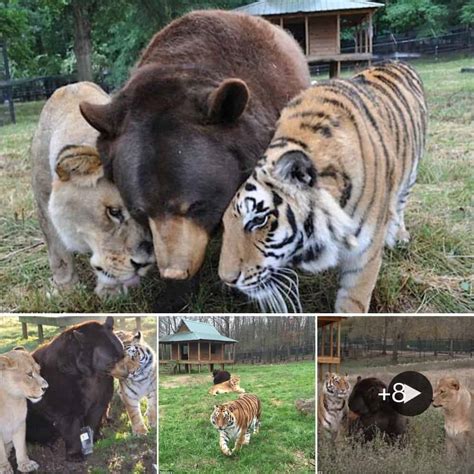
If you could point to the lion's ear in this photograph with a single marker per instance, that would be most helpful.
(80, 165)
(453, 383)
(6, 363)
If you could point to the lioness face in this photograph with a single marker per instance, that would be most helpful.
(234, 381)
(20, 376)
(446, 394)
(90, 216)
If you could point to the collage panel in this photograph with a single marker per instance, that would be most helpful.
(78, 394)
(395, 394)
(237, 394)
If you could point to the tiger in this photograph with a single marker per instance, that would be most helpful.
(332, 404)
(235, 420)
(231, 385)
(330, 190)
(140, 382)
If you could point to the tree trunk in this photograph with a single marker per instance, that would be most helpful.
(82, 40)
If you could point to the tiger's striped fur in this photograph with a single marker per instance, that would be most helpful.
(332, 404)
(140, 382)
(235, 420)
(330, 190)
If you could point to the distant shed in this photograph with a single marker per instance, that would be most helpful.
(196, 343)
(317, 26)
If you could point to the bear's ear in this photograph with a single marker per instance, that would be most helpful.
(99, 116)
(19, 348)
(79, 164)
(109, 323)
(6, 363)
(79, 337)
(295, 167)
(227, 102)
(359, 378)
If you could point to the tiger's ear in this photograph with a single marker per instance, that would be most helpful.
(137, 337)
(328, 375)
(295, 167)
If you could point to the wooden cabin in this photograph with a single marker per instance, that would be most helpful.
(196, 343)
(329, 346)
(317, 25)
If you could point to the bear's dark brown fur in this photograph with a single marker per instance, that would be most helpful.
(371, 414)
(76, 365)
(220, 376)
(188, 127)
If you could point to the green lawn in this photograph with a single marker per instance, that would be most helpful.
(189, 443)
(118, 450)
(433, 274)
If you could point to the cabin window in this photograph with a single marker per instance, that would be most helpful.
(184, 352)
(214, 348)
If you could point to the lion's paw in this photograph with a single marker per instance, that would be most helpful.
(5, 468)
(28, 466)
(104, 291)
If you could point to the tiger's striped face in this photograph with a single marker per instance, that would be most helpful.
(222, 418)
(281, 218)
(337, 385)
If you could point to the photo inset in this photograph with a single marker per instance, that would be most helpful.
(237, 393)
(78, 394)
(396, 394)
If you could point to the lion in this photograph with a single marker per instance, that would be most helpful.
(457, 403)
(79, 209)
(20, 380)
(228, 386)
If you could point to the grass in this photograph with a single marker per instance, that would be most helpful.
(424, 451)
(285, 443)
(432, 274)
(118, 450)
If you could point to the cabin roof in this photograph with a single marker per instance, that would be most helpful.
(284, 7)
(196, 331)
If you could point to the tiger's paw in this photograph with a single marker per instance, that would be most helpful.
(28, 466)
(403, 237)
(139, 430)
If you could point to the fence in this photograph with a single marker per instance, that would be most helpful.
(408, 46)
(369, 347)
(305, 351)
(7, 108)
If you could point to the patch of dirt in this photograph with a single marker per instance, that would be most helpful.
(302, 460)
(276, 403)
(464, 374)
(185, 380)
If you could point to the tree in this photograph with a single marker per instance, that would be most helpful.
(423, 15)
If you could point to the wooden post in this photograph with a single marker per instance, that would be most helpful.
(40, 333)
(338, 49)
(199, 351)
(24, 330)
(138, 322)
(339, 343)
(222, 351)
(281, 22)
(334, 69)
(179, 351)
(210, 352)
(306, 31)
